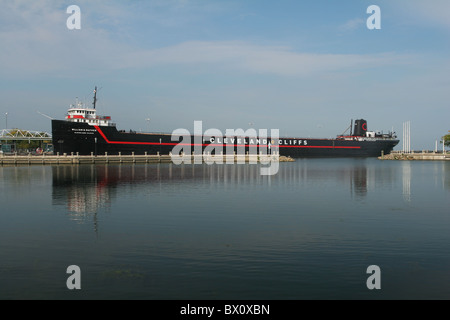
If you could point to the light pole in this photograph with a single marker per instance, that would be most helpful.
(6, 114)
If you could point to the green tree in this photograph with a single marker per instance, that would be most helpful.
(446, 139)
(27, 145)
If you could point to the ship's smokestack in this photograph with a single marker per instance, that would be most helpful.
(360, 128)
(95, 96)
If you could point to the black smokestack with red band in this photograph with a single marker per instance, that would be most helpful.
(360, 128)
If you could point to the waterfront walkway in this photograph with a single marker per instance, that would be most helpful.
(74, 159)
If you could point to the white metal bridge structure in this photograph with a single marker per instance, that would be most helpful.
(19, 134)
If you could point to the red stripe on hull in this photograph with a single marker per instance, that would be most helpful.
(214, 145)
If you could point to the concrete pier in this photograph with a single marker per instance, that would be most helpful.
(74, 159)
(433, 156)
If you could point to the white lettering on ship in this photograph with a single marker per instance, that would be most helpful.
(83, 131)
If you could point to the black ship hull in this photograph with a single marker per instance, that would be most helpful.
(85, 139)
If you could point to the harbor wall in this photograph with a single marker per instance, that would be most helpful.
(433, 156)
(74, 159)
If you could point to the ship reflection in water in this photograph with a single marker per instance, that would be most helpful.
(83, 190)
(87, 189)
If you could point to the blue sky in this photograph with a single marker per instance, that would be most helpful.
(304, 67)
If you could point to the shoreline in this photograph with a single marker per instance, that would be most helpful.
(72, 159)
(426, 156)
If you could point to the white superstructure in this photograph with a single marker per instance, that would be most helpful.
(82, 114)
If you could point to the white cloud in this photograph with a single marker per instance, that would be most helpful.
(353, 24)
(45, 51)
(434, 12)
(35, 40)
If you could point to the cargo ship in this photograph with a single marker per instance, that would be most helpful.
(84, 132)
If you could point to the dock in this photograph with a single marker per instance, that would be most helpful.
(423, 155)
(75, 159)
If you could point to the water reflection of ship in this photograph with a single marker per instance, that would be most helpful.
(88, 189)
(82, 191)
(358, 180)
(359, 176)
(81, 188)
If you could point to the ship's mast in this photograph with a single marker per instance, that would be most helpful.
(95, 96)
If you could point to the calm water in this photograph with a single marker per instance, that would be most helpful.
(162, 231)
